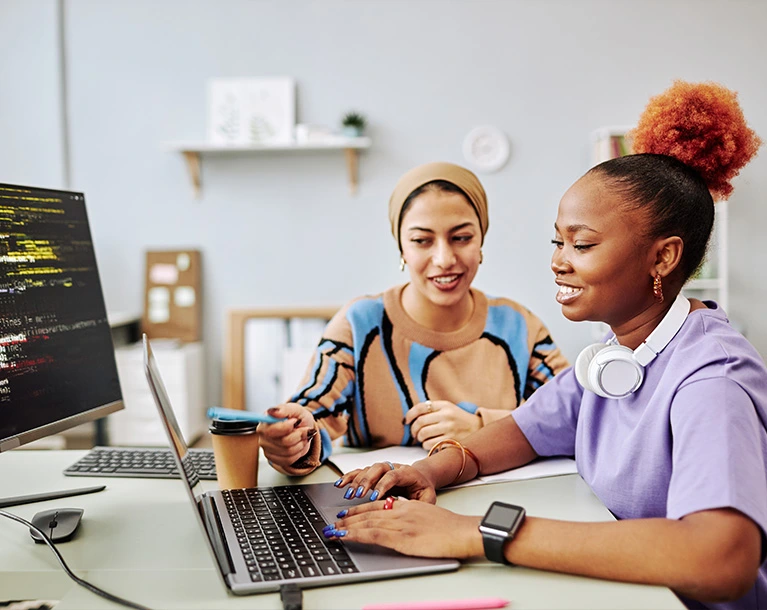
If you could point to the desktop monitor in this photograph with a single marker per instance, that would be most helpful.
(57, 362)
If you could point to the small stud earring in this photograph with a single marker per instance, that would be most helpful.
(401, 263)
(481, 257)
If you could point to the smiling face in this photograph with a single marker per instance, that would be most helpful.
(603, 266)
(441, 244)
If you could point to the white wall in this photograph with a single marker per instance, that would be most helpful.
(282, 229)
(30, 110)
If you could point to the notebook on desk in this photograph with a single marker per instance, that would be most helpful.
(540, 468)
(264, 537)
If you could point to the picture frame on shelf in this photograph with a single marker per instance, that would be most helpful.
(245, 111)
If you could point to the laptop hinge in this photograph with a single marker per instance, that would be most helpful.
(212, 522)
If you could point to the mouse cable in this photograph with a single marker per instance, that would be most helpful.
(70, 573)
(291, 597)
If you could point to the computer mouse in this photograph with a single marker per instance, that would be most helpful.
(58, 523)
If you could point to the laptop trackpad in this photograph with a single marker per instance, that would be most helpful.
(368, 557)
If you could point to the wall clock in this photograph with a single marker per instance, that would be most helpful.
(486, 148)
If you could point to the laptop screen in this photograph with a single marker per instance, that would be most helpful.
(178, 445)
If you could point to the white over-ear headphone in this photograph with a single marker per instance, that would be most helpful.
(614, 371)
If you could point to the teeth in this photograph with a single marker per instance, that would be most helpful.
(568, 290)
(445, 279)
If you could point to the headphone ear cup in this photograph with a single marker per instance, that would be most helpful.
(615, 372)
(582, 364)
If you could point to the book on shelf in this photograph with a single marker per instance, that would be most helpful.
(610, 142)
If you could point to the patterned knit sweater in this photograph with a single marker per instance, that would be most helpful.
(374, 363)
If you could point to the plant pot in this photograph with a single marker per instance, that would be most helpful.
(351, 132)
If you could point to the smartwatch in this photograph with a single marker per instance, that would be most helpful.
(500, 523)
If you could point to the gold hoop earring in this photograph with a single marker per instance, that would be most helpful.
(657, 288)
(481, 257)
(401, 263)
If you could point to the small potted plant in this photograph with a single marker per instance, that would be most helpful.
(353, 124)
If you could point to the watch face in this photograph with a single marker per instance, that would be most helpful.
(501, 516)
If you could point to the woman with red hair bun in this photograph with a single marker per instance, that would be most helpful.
(667, 419)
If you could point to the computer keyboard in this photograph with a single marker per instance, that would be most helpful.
(139, 462)
(280, 533)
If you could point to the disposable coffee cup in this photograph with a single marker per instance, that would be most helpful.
(235, 450)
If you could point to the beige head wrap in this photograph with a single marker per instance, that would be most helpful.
(455, 174)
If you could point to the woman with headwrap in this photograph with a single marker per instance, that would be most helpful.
(425, 361)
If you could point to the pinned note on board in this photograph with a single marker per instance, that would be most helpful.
(172, 298)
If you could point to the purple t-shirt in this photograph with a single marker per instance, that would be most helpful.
(692, 438)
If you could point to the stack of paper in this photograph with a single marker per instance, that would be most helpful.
(544, 467)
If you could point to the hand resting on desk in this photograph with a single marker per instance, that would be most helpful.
(436, 420)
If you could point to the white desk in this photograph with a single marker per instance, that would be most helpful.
(139, 539)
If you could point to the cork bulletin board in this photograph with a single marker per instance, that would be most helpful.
(173, 295)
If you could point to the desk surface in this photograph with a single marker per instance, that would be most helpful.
(139, 539)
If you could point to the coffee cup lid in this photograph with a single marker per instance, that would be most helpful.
(231, 426)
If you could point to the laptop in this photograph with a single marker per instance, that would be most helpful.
(264, 537)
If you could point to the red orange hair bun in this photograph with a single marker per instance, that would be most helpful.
(702, 125)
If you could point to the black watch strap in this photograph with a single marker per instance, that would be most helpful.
(500, 524)
(494, 548)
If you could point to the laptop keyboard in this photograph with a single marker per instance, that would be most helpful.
(139, 462)
(280, 533)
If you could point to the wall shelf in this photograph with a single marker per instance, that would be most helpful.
(193, 152)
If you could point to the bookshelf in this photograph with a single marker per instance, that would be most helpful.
(194, 151)
(712, 282)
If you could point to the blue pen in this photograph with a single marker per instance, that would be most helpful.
(237, 415)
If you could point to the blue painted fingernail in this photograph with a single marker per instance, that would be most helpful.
(329, 533)
(328, 527)
(349, 493)
(338, 482)
(342, 513)
(360, 490)
(339, 533)
(374, 496)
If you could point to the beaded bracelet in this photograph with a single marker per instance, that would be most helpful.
(452, 443)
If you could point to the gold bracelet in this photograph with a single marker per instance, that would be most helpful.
(451, 443)
(470, 453)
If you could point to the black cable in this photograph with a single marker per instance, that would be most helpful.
(291, 597)
(70, 573)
